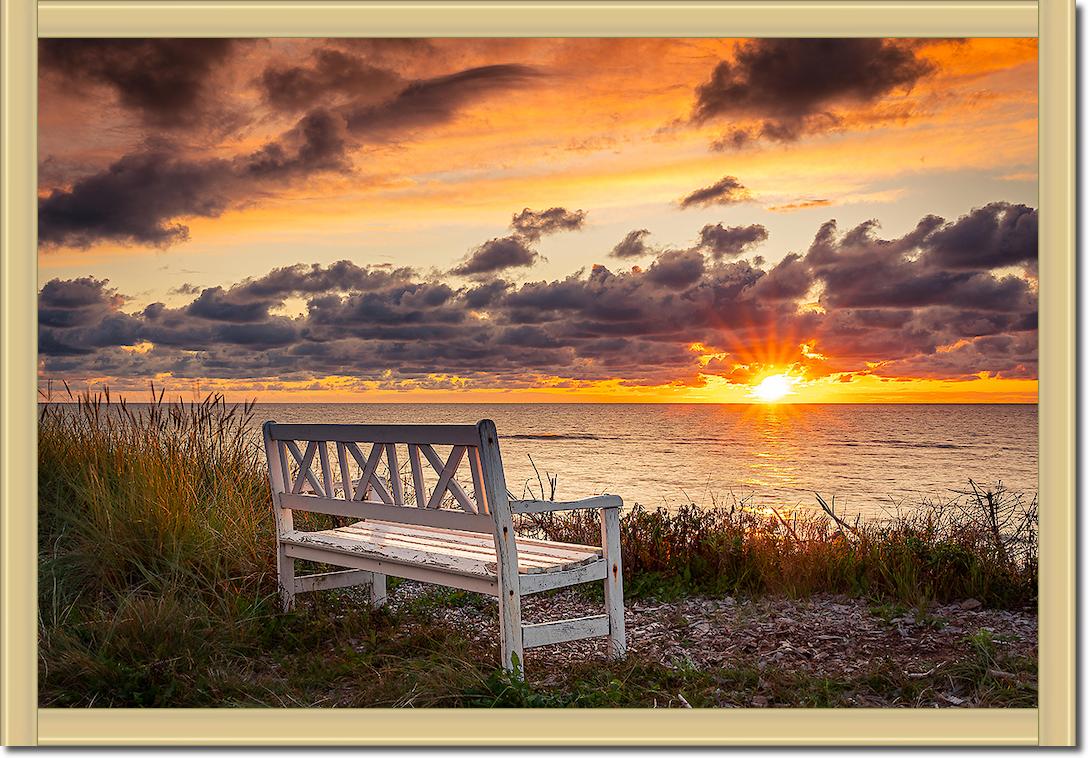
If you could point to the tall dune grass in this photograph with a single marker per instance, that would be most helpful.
(153, 499)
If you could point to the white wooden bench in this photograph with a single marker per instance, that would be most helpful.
(440, 532)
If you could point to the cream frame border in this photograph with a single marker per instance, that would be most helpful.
(22, 723)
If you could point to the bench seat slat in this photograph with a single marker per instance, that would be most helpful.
(529, 541)
(402, 544)
(451, 546)
(525, 545)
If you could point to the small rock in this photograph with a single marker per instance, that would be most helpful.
(759, 701)
(970, 604)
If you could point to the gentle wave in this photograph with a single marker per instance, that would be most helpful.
(905, 443)
(556, 437)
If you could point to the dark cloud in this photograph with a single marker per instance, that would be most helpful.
(486, 294)
(136, 200)
(79, 316)
(330, 75)
(318, 142)
(165, 80)
(633, 245)
(729, 241)
(431, 102)
(677, 269)
(996, 235)
(140, 198)
(890, 307)
(532, 225)
(791, 86)
(215, 304)
(143, 197)
(76, 302)
(341, 276)
(496, 255)
(790, 279)
(861, 270)
(727, 191)
(1004, 356)
(185, 289)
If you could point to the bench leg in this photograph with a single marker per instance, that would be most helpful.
(510, 638)
(377, 590)
(613, 582)
(285, 567)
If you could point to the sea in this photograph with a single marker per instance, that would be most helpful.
(874, 460)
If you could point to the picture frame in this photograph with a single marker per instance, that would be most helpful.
(1052, 21)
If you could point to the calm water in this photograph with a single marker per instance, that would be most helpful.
(864, 455)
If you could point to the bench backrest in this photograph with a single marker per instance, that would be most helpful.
(388, 472)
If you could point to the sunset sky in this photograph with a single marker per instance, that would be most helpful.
(541, 220)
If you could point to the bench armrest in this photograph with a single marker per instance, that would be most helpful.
(596, 502)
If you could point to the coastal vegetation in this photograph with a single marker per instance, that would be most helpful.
(157, 587)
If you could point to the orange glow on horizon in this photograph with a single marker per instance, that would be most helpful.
(856, 389)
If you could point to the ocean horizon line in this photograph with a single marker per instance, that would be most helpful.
(619, 402)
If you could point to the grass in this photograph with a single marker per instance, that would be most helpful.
(157, 586)
(936, 552)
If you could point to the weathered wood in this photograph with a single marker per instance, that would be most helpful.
(429, 434)
(336, 541)
(332, 580)
(613, 582)
(547, 506)
(304, 461)
(479, 495)
(561, 551)
(510, 643)
(345, 471)
(451, 484)
(285, 565)
(474, 583)
(360, 509)
(326, 469)
(531, 583)
(394, 474)
(478, 554)
(567, 630)
(446, 482)
(463, 544)
(425, 547)
(369, 478)
(285, 470)
(417, 476)
(378, 596)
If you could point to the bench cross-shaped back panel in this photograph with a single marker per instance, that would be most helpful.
(390, 466)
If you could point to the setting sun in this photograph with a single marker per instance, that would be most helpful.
(773, 388)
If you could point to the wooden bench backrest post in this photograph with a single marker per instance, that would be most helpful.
(510, 644)
(312, 467)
